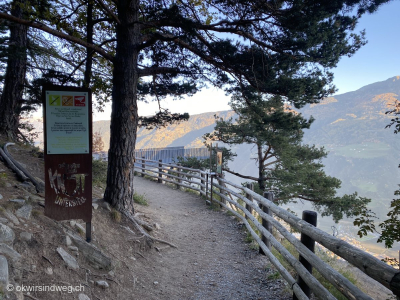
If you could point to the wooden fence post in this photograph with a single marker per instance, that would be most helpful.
(207, 189)
(211, 191)
(309, 217)
(265, 223)
(248, 196)
(222, 191)
(202, 181)
(143, 167)
(179, 181)
(159, 180)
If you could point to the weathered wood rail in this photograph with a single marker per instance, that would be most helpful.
(248, 206)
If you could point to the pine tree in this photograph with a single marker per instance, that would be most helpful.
(288, 168)
(173, 48)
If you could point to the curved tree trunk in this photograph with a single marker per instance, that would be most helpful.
(124, 116)
(11, 98)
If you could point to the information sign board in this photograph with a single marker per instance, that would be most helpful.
(67, 117)
(67, 122)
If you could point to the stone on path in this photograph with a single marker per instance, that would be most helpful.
(83, 297)
(24, 212)
(9, 215)
(102, 283)
(7, 235)
(4, 221)
(68, 240)
(94, 256)
(18, 201)
(1, 196)
(3, 271)
(25, 236)
(9, 252)
(27, 186)
(68, 258)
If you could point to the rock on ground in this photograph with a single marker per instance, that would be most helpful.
(3, 271)
(68, 259)
(7, 235)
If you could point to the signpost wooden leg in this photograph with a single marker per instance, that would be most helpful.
(88, 232)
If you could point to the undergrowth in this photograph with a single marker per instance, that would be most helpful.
(99, 172)
(116, 215)
(326, 259)
(140, 199)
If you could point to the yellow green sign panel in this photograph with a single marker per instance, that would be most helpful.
(67, 122)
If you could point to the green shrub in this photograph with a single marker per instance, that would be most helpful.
(99, 172)
(140, 199)
(116, 215)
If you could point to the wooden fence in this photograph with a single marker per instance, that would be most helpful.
(248, 205)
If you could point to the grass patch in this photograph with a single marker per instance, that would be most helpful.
(190, 191)
(116, 215)
(36, 213)
(12, 206)
(326, 258)
(80, 231)
(346, 273)
(274, 276)
(140, 199)
(251, 241)
(3, 179)
(214, 205)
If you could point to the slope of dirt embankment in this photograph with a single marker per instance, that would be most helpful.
(211, 260)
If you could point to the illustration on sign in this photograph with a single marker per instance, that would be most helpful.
(67, 127)
(68, 185)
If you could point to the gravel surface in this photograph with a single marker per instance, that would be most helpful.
(212, 260)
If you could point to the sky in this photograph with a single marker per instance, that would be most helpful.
(377, 61)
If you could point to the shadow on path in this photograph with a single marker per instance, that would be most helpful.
(212, 260)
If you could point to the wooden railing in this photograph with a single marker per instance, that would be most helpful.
(249, 206)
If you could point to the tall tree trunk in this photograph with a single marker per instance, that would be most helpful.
(11, 98)
(124, 116)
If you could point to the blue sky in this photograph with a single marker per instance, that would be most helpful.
(379, 59)
(376, 61)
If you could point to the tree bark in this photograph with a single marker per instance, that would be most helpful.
(124, 116)
(11, 98)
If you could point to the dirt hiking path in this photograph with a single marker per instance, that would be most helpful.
(212, 260)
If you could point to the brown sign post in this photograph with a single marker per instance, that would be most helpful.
(67, 116)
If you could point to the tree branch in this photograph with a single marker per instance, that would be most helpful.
(57, 34)
(157, 70)
(102, 20)
(240, 175)
(108, 11)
